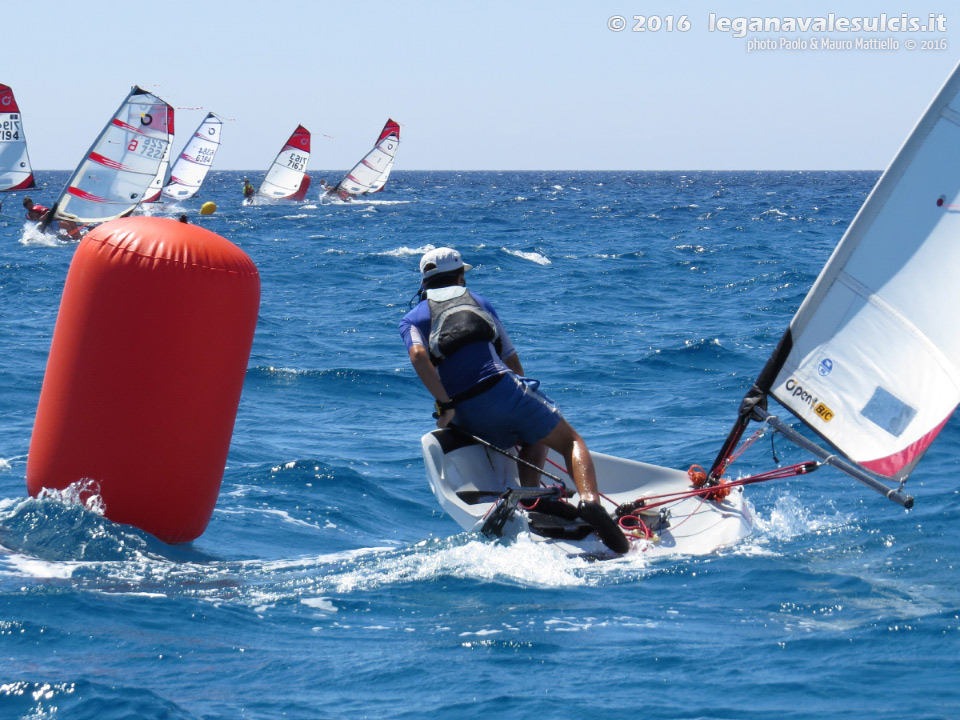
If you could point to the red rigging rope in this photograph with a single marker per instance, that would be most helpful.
(634, 527)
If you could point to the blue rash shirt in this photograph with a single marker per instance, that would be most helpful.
(469, 365)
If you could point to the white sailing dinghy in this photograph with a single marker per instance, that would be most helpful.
(870, 363)
(871, 360)
(659, 509)
(287, 177)
(191, 166)
(117, 170)
(372, 172)
(15, 170)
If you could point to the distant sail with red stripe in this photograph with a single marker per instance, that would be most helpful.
(871, 360)
(160, 179)
(115, 175)
(371, 173)
(193, 163)
(287, 177)
(15, 170)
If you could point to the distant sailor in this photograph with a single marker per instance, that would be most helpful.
(462, 354)
(34, 212)
(37, 213)
(248, 189)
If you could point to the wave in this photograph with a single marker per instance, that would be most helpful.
(407, 251)
(531, 256)
(87, 700)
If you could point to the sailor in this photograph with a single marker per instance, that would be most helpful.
(34, 212)
(463, 355)
(248, 189)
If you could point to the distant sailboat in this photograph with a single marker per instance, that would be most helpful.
(156, 187)
(15, 170)
(115, 174)
(192, 165)
(371, 173)
(287, 178)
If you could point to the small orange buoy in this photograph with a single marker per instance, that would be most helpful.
(145, 371)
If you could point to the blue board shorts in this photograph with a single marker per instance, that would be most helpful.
(512, 412)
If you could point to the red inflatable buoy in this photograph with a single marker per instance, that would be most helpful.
(145, 371)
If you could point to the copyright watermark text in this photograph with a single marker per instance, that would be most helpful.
(826, 32)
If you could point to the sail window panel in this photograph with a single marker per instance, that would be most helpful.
(888, 412)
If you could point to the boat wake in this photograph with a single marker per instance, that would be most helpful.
(32, 236)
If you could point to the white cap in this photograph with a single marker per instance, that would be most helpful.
(441, 260)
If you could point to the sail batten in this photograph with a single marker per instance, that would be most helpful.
(871, 360)
(124, 160)
(15, 170)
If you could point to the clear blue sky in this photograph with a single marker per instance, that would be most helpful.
(481, 85)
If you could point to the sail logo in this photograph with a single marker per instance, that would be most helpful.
(797, 391)
(826, 366)
(823, 412)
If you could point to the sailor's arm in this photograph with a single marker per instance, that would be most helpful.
(513, 362)
(420, 359)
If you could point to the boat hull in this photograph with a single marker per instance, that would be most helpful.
(468, 478)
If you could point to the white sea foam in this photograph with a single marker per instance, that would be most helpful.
(320, 603)
(408, 251)
(525, 562)
(23, 566)
(531, 256)
(32, 236)
(74, 494)
(787, 520)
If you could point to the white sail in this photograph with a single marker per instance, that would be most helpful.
(192, 165)
(15, 170)
(116, 172)
(871, 360)
(371, 173)
(287, 177)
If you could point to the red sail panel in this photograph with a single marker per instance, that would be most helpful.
(391, 128)
(26, 184)
(8, 103)
(300, 140)
(302, 192)
(893, 465)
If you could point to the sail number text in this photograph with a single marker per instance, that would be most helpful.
(298, 162)
(148, 147)
(10, 130)
(204, 156)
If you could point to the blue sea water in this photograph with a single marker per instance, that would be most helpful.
(330, 585)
